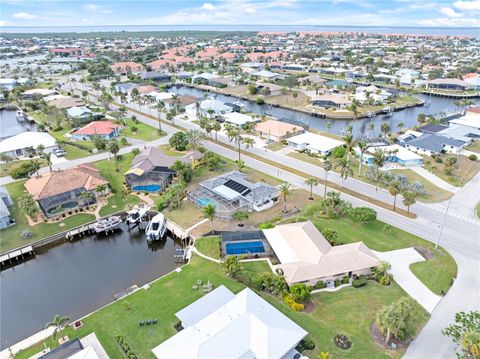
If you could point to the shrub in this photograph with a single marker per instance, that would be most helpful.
(305, 344)
(259, 101)
(336, 282)
(319, 285)
(288, 300)
(359, 282)
(300, 292)
(266, 225)
(438, 160)
(345, 279)
(363, 214)
(179, 141)
(472, 157)
(385, 280)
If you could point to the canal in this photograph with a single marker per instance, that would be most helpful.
(408, 117)
(9, 126)
(74, 279)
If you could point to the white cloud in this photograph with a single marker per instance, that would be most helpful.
(450, 12)
(467, 5)
(3, 23)
(96, 8)
(250, 10)
(208, 6)
(451, 22)
(24, 15)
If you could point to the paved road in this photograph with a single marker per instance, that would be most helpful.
(461, 236)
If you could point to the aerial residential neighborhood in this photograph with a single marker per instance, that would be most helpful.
(240, 179)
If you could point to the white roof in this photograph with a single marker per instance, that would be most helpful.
(226, 192)
(400, 152)
(76, 111)
(86, 353)
(41, 92)
(316, 142)
(27, 139)
(245, 327)
(306, 255)
(468, 120)
(237, 118)
(161, 95)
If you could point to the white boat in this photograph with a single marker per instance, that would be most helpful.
(107, 224)
(370, 114)
(156, 228)
(20, 116)
(136, 214)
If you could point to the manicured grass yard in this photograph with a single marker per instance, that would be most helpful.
(171, 151)
(349, 311)
(7, 168)
(117, 202)
(275, 146)
(144, 132)
(210, 246)
(11, 237)
(474, 147)
(436, 273)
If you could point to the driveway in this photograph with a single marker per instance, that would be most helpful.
(400, 261)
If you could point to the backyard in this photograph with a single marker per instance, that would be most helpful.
(333, 314)
(465, 171)
(143, 131)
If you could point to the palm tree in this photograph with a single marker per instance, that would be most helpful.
(383, 268)
(240, 164)
(176, 101)
(376, 176)
(216, 126)
(394, 190)
(159, 106)
(409, 199)
(47, 156)
(345, 166)
(471, 343)
(240, 216)
(385, 128)
(194, 138)
(363, 147)
(327, 167)
(113, 148)
(285, 190)
(209, 213)
(349, 143)
(34, 166)
(87, 197)
(59, 323)
(248, 142)
(311, 182)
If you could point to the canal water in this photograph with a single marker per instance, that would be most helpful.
(9, 126)
(74, 279)
(435, 105)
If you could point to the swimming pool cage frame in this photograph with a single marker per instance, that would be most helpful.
(224, 209)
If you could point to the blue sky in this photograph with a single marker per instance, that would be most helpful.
(443, 13)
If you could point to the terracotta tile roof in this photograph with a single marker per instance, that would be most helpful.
(97, 128)
(52, 183)
(277, 128)
(126, 66)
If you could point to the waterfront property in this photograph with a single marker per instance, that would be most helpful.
(431, 144)
(245, 243)
(103, 129)
(274, 130)
(5, 201)
(64, 102)
(321, 145)
(209, 108)
(125, 68)
(24, 144)
(231, 192)
(224, 325)
(448, 84)
(238, 119)
(88, 347)
(331, 100)
(80, 113)
(60, 191)
(305, 255)
(151, 169)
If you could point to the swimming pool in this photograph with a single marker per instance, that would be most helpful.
(147, 188)
(206, 201)
(244, 247)
(338, 83)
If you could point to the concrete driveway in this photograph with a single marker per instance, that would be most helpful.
(400, 261)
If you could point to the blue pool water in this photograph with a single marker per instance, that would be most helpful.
(147, 188)
(206, 201)
(244, 247)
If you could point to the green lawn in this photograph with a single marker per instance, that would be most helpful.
(474, 147)
(210, 246)
(114, 171)
(117, 203)
(436, 273)
(7, 168)
(171, 151)
(11, 237)
(275, 146)
(477, 210)
(349, 311)
(144, 132)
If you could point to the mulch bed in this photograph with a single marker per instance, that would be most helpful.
(342, 341)
(379, 339)
(309, 306)
(425, 252)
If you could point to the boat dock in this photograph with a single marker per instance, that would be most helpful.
(80, 231)
(16, 255)
(177, 230)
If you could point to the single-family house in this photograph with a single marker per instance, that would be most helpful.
(124, 68)
(5, 201)
(23, 144)
(222, 324)
(268, 75)
(60, 191)
(331, 100)
(81, 113)
(448, 84)
(151, 169)
(103, 129)
(88, 347)
(318, 144)
(155, 76)
(305, 256)
(181, 102)
(125, 87)
(37, 93)
(65, 102)
(393, 154)
(210, 108)
(238, 119)
(274, 130)
(268, 89)
(231, 192)
(430, 144)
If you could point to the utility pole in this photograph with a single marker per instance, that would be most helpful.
(443, 225)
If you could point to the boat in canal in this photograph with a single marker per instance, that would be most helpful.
(107, 224)
(137, 214)
(20, 116)
(156, 228)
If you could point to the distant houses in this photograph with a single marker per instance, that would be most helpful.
(5, 201)
(61, 191)
(393, 154)
(125, 68)
(317, 144)
(331, 100)
(82, 113)
(102, 129)
(277, 131)
(448, 84)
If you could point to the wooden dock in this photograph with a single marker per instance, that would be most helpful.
(16, 255)
(80, 231)
(177, 230)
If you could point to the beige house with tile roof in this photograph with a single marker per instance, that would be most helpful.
(305, 255)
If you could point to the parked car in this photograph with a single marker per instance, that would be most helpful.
(58, 152)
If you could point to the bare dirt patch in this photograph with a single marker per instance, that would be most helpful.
(309, 306)
(425, 253)
(394, 343)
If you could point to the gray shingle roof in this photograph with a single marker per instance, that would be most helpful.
(434, 143)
